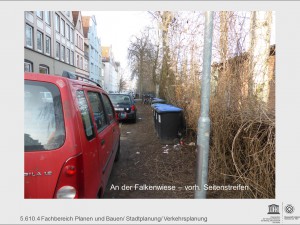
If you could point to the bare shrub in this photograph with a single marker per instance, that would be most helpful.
(243, 129)
(242, 146)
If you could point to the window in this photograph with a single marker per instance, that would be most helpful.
(62, 27)
(48, 46)
(92, 52)
(77, 61)
(62, 54)
(43, 117)
(29, 36)
(47, 18)
(85, 115)
(92, 68)
(85, 65)
(71, 35)
(68, 56)
(39, 40)
(68, 32)
(108, 108)
(57, 50)
(98, 110)
(39, 14)
(28, 66)
(72, 58)
(57, 21)
(81, 63)
(44, 69)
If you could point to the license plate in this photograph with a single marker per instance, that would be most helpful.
(122, 115)
(119, 109)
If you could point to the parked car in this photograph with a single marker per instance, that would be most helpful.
(147, 98)
(71, 139)
(124, 106)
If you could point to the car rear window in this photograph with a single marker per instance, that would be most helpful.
(43, 116)
(120, 99)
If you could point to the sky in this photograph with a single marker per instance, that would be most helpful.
(115, 28)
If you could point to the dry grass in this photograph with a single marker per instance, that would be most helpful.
(243, 152)
(242, 133)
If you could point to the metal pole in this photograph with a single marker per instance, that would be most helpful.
(203, 132)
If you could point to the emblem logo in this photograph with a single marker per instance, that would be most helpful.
(273, 209)
(289, 209)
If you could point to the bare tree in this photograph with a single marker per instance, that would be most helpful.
(122, 83)
(259, 51)
(143, 59)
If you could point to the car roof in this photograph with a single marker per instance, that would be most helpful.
(118, 94)
(53, 78)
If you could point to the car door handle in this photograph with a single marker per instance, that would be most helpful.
(113, 130)
(102, 142)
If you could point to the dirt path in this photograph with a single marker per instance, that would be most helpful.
(144, 161)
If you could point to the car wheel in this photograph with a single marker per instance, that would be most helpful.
(134, 120)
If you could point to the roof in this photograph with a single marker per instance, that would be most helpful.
(244, 56)
(273, 50)
(75, 17)
(85, 25)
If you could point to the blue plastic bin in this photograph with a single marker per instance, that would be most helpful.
(158, 100)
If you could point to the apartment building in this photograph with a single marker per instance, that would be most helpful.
(111, 70)
(49, 42)
(93, 42)
(80, 60)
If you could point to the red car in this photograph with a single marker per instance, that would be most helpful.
(71, 137)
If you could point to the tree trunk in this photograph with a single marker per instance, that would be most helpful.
(164, 78)
(259, 53)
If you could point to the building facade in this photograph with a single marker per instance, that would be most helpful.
(49, 42)
(56, 41)
(86, 57)
(79, 45)
(102, 73)
(93, 42)
(111, 70)
(239, 66)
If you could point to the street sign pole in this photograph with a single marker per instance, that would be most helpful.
(203, 132)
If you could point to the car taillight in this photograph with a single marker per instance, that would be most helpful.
(133, 107)
(70, 180)
(71, 170)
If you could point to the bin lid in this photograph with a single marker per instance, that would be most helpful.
(154, 105)
(158, 101)
(164, 108)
